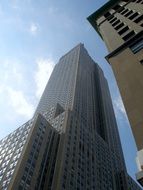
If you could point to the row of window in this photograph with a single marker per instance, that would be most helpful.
(80, 169)
(122, 29)
(12, 147)
(33, 156)
(120, 26)
(138, 1)
(132, 15)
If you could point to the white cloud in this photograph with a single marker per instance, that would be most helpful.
(12, 90)
(33, 28)
(42, 75)
(19, 103)
(11, 73)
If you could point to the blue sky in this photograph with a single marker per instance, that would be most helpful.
(33, 36)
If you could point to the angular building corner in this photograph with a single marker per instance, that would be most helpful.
(120, 24)
(72, 142)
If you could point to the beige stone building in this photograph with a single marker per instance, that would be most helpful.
(120, 25)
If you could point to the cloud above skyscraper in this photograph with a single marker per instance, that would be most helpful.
(42, 74)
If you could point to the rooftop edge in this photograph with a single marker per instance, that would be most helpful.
(100, 12)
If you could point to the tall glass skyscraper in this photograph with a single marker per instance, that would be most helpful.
(72, 142)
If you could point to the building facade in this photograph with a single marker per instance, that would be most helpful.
(72, 142)
(120, 24)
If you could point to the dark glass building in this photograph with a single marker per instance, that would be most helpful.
(72, 142)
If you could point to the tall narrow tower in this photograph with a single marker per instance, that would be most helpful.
(72, 142)
(120, 24)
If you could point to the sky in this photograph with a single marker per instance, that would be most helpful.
(33, 36)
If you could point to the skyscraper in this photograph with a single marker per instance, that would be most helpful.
(72, 142)
(120, 24)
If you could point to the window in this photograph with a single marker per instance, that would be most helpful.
(115, 23)
(128, 13)
(116, 7)
(133, 16)
(139, 19)
(121, 9)
(141, 61)
(119, 26)
(111, 17)
(129, 35)
(111, 21)
(124, 12)
(122, 31)
(107, 14)
(136, 47)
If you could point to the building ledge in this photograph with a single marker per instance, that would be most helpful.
(125, 45)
